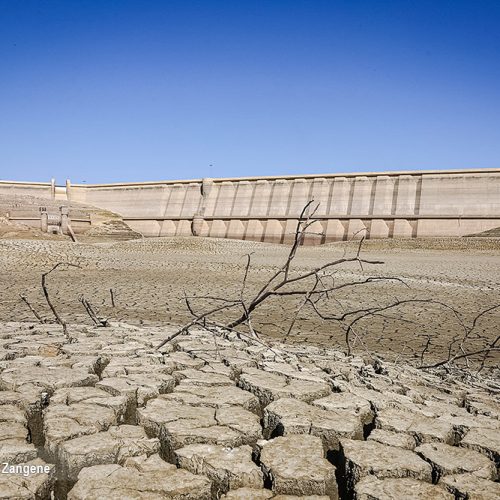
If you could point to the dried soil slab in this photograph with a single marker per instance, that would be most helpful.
(364, 458)
(199, 378)
(295, 465)
(291, 416)
(347, 401)
(184, 361)
(30, 400)
(424, 429)
(447, 460)
(269, 387)
(392, 439)
(301, 497)
(138, 388)
(35, 346)
(240, 420)
(91, 395)
(84, 347)
(127, 348)
(46, 377)
(435, 409)
(381, 401)
(214, 396)
(237, 360)
(63, 422)
(486, 441)
(425, 392)
(178, 425)
(110, 447)
(202, 346)
(479, 404)
(471, 487)
(35, 486)
(114, 482)
(123, 366)
(14, 445)
(371, 488)
(12, 413)
(227, 468)
(287, 370)
(463, 422)
(248, 494)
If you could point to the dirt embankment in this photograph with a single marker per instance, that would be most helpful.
(20, 214)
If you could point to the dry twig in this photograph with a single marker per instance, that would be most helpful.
(58, 318)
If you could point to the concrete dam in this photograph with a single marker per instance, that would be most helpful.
(409, 204)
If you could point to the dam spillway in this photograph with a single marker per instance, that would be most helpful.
(409, 204)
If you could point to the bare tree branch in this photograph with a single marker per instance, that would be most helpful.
(47, 297)
(31, 308)
(90, 311)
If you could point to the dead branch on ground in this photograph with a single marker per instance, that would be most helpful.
(280, 284)
(92, 314)
(31, 308)
(317, 290)
(57, 317)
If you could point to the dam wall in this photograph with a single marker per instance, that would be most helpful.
(377, 205)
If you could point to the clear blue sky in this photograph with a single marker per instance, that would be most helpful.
(117, 90)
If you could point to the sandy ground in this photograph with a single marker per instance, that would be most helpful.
(149, 278)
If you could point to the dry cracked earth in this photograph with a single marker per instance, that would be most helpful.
(210, 417)
(150, 277)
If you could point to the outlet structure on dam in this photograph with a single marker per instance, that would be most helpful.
(378, 205)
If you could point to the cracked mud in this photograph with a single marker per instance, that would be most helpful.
(115, 418)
